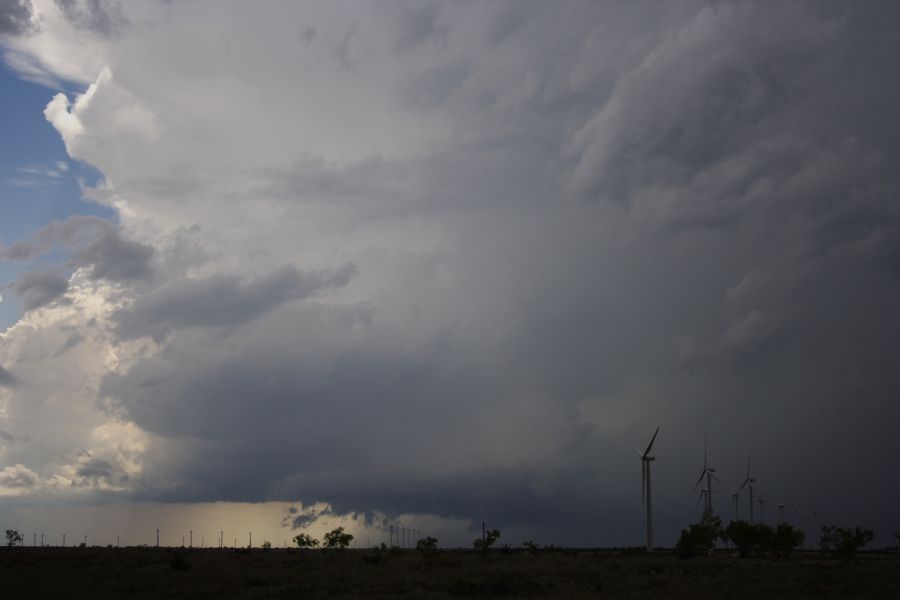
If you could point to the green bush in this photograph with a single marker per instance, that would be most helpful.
(336, 538)
(785, 539)
(759, 539)
(699, 538)
(844, 543)
(427, 545)
(13, 537)
(490, 536)
(305, 540)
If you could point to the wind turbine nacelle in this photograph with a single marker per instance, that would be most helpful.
(649, 458)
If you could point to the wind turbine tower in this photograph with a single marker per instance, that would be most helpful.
(749, 481)
(762, 510)
(646, 459)
(735, 498)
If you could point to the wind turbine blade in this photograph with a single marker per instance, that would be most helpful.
(743, 485)
(700, 497)
(749, 456)
(716, 479)
(650, 445)
(699, 480)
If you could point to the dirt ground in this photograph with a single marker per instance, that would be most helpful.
(170, 573)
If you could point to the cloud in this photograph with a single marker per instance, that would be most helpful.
(7, 379)
(17, 478)
(222, 301)
(15, 17)
(37, 289)
(567, 225)
(92, 242)
(100, 16)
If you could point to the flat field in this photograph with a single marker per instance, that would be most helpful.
(171, 573)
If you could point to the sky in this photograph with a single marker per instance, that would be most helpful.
(283, 266)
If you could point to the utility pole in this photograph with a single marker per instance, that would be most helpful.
(64, 540)
(221, 538)
(34, 540)
(85, 541)
(157, 538)
(117, 541)
(191, 538)
(251, 540)
(42, 539)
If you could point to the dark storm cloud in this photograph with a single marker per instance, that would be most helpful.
(92, 242)
(15, 16)
(223, 300)
(37, 289)
(419, 23)
(686, 217)
(104, 17)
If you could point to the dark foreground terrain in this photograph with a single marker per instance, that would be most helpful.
(169, 573)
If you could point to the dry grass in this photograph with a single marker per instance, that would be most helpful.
(169, 573)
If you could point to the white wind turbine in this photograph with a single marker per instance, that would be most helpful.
(646, 459)
(707, 472)
(749, 481)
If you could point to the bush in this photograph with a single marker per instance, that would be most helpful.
(305, 540)
(761, 539)
(531, 547)
(13, 537)
(490, 536)
(336, 538)
(785, 539)
(427, 545)
(844, 543)
(699, 538)
(267, 545)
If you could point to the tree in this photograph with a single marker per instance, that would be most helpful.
(531, 546)
(13, 537)
(267, 545)
(427, 545)
(843, 543)
(700, 538)
(336, 538)
(490, 536)
(305, 540)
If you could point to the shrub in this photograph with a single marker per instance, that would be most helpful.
(267, 545)
(785, 539)
(427, 545)
(336, 538)
(699, 538)
(748, 539)
(305, 540)
(490, 536)
(13, 537)
(844, 543)
(531, 546)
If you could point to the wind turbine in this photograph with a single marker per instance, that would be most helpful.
(646, 459)
(781, 506)
(749, 481)
(708, 473)
(762, 510)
